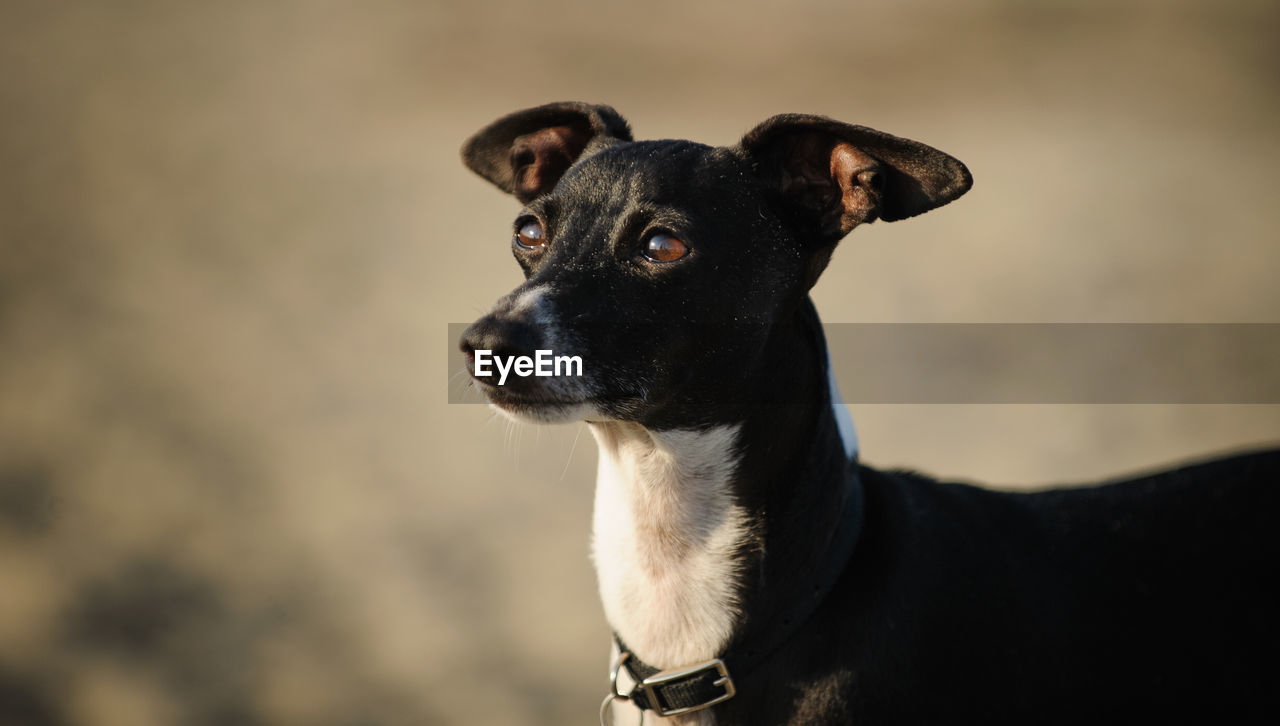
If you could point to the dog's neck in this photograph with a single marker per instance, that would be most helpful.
(691, 524)
(668, 532)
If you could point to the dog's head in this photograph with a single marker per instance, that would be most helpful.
(664, 267)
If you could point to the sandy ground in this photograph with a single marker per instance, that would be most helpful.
(233, 235)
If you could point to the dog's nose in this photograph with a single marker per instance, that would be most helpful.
(502, 337)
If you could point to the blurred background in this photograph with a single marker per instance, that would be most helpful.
(233, 235)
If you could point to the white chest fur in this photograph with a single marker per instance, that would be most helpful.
(666, 532)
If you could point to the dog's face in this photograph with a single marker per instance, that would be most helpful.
(654, 262)
(664, 266)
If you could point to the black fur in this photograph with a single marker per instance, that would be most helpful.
(1149, 600)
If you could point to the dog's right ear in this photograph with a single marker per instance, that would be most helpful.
(838, 175)
(526, 153)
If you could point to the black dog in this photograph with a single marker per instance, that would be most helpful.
(753, 571)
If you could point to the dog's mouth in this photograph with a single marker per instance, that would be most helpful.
(536, 406)
(545, 395)
(503, 397)
(529, 399)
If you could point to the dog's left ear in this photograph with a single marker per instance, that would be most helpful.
(525, 153)
(836, 176)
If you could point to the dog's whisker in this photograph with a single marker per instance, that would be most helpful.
(573, 447)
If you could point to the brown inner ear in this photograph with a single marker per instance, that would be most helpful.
(861, 185)
(539, 159)
(835, 179)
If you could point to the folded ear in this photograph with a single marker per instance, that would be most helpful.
(526, 153)
(837, 175)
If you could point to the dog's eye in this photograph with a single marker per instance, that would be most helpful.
(531, 236)
(665, 248)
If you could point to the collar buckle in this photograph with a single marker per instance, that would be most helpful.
(685, 690)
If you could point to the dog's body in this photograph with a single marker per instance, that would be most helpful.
(731, 521)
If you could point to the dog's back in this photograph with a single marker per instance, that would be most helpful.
(963, 604)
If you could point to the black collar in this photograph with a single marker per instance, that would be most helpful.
(695, 687)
